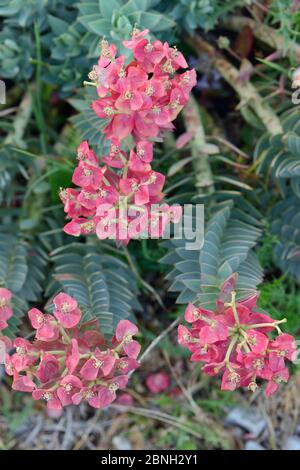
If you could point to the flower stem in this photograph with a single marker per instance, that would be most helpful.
(262, 325)
(89, 83)
(232, 304)
(230, 349)
(56, 353)
(64, 335)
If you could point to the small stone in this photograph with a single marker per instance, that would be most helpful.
(291, 443)
(121, 443)
(248, 419)
(298, 429)
(238, 433)
(253, 445)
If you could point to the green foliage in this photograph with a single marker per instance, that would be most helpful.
(22, 270)
(102, 284)
(115, 19)
(15, 54)
(229, 238)
(278, 156)
(12, 168)
(232, 231)
(20, 14)
(205, 14)
(282, 14)
(281, 298)
(17, 42)
(15, 411)
(265, 250)
(70, 58)
(86, 122)
(286, 226)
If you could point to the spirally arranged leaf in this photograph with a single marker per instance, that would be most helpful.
(103, 285)
(116, 19)
(86, 121)
(22, 270)
(286, 226)
(227, 248)
(279, 156)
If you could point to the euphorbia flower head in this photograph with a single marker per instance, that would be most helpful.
(139, 99)
(235, 342)
(75, 363)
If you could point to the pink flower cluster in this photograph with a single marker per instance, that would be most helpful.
(234, 341)
(140, 100)
(144, 97)
(68, 363)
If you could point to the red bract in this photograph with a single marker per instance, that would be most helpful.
(66, 311)
(139, 100)
(87, 176)
(158, 382)
(108, 393)
(23, 384)
(284, 346)
(235, 342)
(100, 365)
(125, 399)
(276, 376)
(68, 387)
(49, 396)
(69, 362)
(48, 368)
(24, 356)
(72, 356)
(123, 339)
(45, 325)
